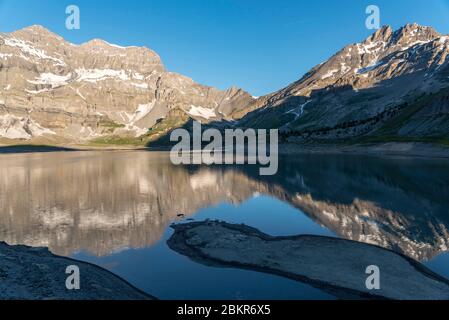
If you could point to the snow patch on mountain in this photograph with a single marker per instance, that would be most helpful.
(96, 75)
(140, 85)
(370, 48)
(329, 74)
(38, 91)
(142, 111)
(411, 45)
(13, 127)
(369, 68)
(29, 49)
(51, 79)
(5, 56)
(202, 112)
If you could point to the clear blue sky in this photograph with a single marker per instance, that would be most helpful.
(258, 45)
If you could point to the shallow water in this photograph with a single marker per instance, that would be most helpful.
(115, 209)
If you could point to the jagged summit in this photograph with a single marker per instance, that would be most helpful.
(361, 84)
(407, 33)
(414, 33)
(357, 63)
(383, 34)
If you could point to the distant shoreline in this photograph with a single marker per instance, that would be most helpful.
(403, 149)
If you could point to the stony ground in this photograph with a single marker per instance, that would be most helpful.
(333, 265)
(36, 274)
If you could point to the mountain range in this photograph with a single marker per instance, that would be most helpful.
(393, 86)
(51, 89)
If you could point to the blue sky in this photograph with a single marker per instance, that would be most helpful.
(258, 45)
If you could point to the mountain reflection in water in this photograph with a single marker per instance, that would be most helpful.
(104, 202)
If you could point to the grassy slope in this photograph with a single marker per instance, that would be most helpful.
(389, 132)
(155, 133)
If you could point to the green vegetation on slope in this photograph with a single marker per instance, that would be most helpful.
(405, 122)
(156, 133)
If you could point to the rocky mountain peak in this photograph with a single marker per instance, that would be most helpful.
(102, 44)
(37, 28)
(405, 36)
(141, 59)
(53, 89)
(360, 82)
(37, 34)
(414, 33)
(383, 34)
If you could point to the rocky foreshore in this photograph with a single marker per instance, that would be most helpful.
(36, 274)
(333, 265)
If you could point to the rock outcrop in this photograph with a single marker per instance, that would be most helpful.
(333, 265)
(36, 274)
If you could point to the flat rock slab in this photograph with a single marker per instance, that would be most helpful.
(333, 265)
(36, 274)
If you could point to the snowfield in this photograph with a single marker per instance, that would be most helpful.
(95, 75)
(201, 112)
(13, 127)
(29, 49)
(52, 79)
(142, 111)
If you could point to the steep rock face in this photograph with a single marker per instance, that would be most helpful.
(358, 89)
(95, 89)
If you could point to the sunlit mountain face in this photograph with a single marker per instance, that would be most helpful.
(102, 203)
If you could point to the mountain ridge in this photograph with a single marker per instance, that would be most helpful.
(392, 85)
(56, 90)
(363, 86)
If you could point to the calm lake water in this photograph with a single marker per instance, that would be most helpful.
(115, 209)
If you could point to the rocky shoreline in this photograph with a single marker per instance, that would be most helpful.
(36, 274)
(333, 265)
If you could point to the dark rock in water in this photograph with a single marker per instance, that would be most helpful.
(333, 265)
(36, 274)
